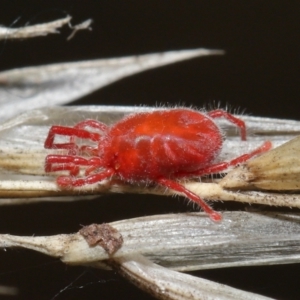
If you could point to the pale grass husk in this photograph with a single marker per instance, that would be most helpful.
(276, 170)
(181, 242)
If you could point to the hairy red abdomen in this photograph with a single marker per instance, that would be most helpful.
(147, 146)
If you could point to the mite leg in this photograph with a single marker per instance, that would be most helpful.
(215, 216)
(71, 163)
(70, 181)
(218, 113)
(93, 124)
(68, 131)
(222, 166)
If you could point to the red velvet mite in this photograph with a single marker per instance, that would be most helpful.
(159, 147)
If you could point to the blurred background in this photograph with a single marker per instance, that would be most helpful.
(259, 75)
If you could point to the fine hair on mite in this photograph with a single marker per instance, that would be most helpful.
(160, 146)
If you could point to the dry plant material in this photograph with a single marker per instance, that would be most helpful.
(8, 291)
(82, 26)
(41, 29)
(183, 242)
(58, 84)
(276, 170)
(103, 235)
(171, 285)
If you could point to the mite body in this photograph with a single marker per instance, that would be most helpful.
(159, 147)
(162, 144)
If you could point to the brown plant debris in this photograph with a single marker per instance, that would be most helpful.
(103, 235)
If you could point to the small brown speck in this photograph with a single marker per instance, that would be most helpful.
(103, 235)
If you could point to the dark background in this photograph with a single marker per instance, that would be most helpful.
(258, 74)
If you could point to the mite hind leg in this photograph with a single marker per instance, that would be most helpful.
(222, 166)
(219, 113)
(215, 216)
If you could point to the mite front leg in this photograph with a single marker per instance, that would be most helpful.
(69, 163)
(68, 131)
(92, 124)
(70, 181)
